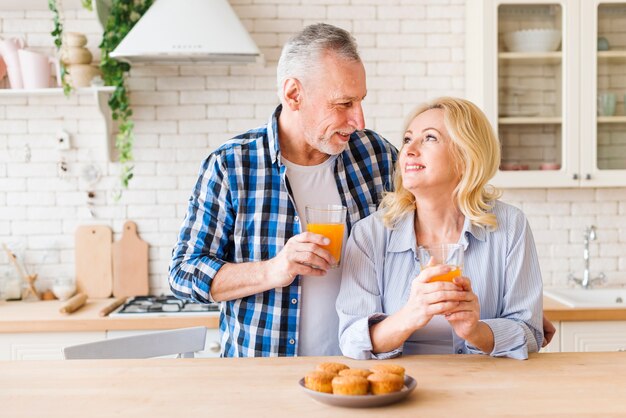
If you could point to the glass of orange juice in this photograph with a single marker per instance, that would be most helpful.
(328, 220)
(449, 254)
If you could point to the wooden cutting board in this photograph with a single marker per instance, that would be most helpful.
(94, 270)
(130, 263)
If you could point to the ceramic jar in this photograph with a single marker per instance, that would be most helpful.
(75, 55)
(80, 75)
(77, 60)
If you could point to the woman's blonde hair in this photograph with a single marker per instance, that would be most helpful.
(475, 150)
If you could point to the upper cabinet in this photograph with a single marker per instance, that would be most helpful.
(551, 78)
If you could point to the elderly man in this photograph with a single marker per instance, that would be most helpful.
(242, 241)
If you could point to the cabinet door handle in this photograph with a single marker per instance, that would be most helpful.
(588, 177)
(575, 176)
(214, 346)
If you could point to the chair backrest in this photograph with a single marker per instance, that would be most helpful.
(184, 342)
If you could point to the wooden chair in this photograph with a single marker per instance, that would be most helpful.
(183, 342)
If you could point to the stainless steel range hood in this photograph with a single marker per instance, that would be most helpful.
(186, 31)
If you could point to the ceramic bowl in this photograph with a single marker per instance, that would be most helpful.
(532, 40)
(550, 166)
(63, 288)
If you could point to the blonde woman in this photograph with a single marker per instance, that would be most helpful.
(387, 305)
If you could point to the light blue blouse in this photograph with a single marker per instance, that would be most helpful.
(380, 263)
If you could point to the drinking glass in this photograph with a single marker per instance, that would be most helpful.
(328, 220)
(606, 104)
(449, 254)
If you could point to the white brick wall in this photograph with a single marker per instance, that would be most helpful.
(413, 50)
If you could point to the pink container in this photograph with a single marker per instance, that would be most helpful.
(550, 166)
(36, 71)
(509, 166)
(9, 49)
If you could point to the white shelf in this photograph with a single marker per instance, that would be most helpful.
(530, 120)
(22, 5)
(550, 57)
(55, 91)
(100, 94)
(612, 57)
(611, 119)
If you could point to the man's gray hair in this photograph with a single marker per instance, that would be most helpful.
(300, 55)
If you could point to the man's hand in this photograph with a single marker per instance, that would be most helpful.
(548, 331)
(301, 255)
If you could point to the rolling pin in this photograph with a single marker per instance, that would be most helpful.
(74, 303)
(111, 306)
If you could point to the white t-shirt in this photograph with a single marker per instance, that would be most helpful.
(319, 323)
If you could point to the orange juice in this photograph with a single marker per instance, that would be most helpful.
(334, 232)
(447, 277)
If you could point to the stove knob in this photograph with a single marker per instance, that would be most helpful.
(214, 346)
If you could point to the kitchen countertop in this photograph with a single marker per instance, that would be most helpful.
(44, 316)
(549, 384)
(556, 311)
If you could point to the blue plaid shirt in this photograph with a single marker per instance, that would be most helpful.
(241, 210)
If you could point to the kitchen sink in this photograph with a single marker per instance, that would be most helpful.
(589, 298)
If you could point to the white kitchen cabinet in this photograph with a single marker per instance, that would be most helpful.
(555, 343)
(212, 346)
(42, 345)
(544, 104)
(48, 345)
(593, 336)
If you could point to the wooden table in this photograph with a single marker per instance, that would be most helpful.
(560, 384)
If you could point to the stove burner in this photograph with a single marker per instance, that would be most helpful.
(163, 304)
(135, 309)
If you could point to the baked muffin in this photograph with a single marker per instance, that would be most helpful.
(388, 368)
(381, 383)
(355, 372)
(350, 385)
(334, 368)
(319, 381)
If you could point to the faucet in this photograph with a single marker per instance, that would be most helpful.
(586, 282)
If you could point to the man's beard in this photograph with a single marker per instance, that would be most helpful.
(325, 145)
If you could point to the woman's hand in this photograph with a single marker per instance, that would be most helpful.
(427, 299)
(465, 318)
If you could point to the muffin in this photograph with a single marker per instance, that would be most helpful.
(334, 368)
(381, 383)
(388, 368)
(319, 381)
(355, 372)
(350, 385)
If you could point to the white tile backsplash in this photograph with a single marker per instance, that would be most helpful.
(412, 50)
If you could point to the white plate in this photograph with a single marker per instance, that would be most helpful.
(361, 401)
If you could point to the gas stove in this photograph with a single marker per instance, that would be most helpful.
(164, 306)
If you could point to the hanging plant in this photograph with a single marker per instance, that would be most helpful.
(123, 14)
(57, 34)
(118, 18)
